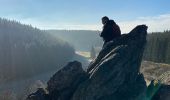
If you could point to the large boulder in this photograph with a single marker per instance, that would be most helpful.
(114, 74)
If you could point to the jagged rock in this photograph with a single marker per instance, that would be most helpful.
(114, 74)
(63, 84)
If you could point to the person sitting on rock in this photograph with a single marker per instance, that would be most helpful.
(110, 30)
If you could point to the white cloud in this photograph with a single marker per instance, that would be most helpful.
(154, 23)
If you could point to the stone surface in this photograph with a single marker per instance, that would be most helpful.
(63, 84)
(114, 74)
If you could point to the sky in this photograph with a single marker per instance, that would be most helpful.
(86, 14)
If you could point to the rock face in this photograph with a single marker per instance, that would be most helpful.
(64, 83)
(113, 75)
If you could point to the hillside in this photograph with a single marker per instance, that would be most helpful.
(25, 49)
(82, 40)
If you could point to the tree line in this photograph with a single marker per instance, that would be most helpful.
(158, 47)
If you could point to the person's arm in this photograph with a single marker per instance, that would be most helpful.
(103, 31)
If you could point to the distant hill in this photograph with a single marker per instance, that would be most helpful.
(157, 48)
(82, 40)
(24, 49)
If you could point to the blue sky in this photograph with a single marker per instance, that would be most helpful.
(86, 14)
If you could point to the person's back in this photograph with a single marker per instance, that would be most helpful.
(110, 30)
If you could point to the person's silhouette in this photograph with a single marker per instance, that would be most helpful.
(110, 30)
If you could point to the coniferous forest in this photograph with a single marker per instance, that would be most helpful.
(158, 47)
(27, 51)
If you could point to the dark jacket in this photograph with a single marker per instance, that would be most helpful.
(110, 31)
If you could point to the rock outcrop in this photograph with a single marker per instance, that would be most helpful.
(113, 75)
(64, 83)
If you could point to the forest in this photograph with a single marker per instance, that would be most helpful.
(27, 51)
(158, 47)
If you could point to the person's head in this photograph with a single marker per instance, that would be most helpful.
(105, 19)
